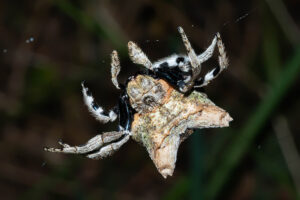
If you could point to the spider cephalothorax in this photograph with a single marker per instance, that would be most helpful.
(158, 108)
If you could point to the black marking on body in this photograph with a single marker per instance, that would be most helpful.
(172, 74)
(168, 75)
(164, 64)
(126, 112)
(179, 59)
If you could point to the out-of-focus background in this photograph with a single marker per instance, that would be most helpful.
(48, 47)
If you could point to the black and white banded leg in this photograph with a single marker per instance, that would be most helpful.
(223, 64)
(95, 109)
(99, 146)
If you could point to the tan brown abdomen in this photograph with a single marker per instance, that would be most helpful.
(163, 129)
(146, 93)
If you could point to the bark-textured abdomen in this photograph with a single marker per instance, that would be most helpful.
(161, 129)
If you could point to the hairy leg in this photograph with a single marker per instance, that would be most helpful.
(191, 53)
(115, 68)
(137, 56)
(223, 64)
(93, 144)
(95, 109)
(207, 54)
(109, 149)
(187, 84)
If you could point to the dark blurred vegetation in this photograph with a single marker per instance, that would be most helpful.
(48, 47)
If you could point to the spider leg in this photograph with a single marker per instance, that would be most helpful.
(93, 144)
(137, 56)
(115, 68)
(95, 109)
(104, 144)
(191, 53)
(223, 64)
(194, 62)
(209, 51)
(108, 149)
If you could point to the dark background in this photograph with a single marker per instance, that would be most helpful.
(48, 47)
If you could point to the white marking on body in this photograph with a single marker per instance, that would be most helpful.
(171, 60)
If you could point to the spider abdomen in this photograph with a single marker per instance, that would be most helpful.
(163, 129)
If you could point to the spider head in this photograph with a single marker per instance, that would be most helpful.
(145, 93)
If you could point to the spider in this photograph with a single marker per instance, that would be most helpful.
(159, 107)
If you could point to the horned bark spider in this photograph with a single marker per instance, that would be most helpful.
(159, 107)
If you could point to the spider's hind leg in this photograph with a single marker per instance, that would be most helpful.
(95, 109)
(223, 64)
(108, 149)
(208, 53)
(105, 143)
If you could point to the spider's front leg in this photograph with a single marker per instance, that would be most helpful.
(104, 144)
(93, 107)
(97, 111)
(137, 56)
